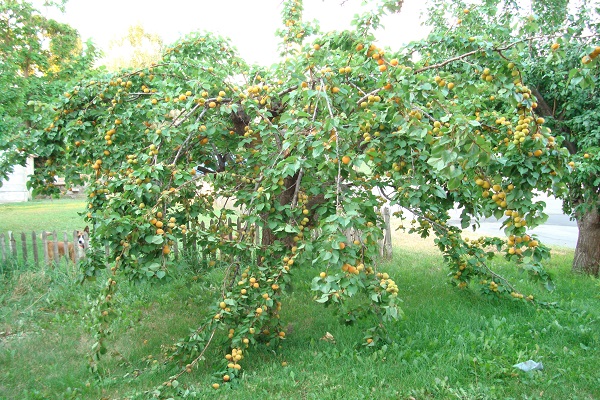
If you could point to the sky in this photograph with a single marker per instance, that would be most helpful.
(250, 24)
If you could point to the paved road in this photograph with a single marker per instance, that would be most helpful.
(559, 230)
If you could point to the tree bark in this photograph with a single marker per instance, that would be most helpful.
(587, 252)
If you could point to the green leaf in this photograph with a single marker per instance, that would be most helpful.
(155, 239)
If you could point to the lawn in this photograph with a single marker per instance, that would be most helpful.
(450, 344)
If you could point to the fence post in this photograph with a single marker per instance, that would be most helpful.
(24, 247)
(55, 237)
(35, 249)
(66, 242)
(387, 235)
(3, 247)
(12, 244)
(75, 248)
(45, 245)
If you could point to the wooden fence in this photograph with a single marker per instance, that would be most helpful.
(29, 250)
(27, 246)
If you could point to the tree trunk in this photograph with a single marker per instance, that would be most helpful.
(587, 252)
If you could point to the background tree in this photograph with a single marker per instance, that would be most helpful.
(558, 61)
(305, 150)
(136, 49)
(37, 57)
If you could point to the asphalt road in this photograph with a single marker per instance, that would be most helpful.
(559, 230)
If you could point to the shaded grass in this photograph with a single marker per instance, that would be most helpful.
(451, 343)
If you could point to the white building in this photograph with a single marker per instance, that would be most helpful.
(15, 188)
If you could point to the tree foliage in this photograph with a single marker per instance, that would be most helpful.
(558, 60)
(305, 150)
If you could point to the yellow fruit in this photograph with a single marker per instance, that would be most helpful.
(346, 160)
(555, 46)
(212, 104)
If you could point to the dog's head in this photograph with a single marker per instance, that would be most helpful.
(82, 236)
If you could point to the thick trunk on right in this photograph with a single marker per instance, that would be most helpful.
(587, 252)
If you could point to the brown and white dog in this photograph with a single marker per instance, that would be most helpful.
(65, 248)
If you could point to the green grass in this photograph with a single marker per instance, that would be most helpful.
(451, 344)
(42, 215)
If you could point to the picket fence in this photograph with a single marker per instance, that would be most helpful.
(26, 247)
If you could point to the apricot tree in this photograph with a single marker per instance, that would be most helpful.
(38, 56)
(560, 64)
(305, 150)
